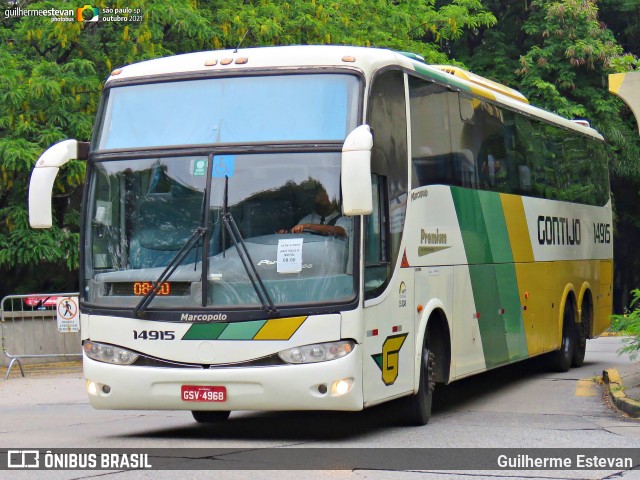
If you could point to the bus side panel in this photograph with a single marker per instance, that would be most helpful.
(604, 300)
(535, 297)
(467, 350)
(554, 249)
(389, 339)
(493, 276)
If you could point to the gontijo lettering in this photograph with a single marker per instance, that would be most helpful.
(558, 231)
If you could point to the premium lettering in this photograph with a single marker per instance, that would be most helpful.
(431, 238)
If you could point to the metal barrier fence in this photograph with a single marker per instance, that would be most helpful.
(30, 330)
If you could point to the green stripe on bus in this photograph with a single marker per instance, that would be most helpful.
(441, 76)
(493, 277)
(498, 239)
(513, 318)
(507, 282)
(224, 331)
(242, 330)
(485, 294)
(205, 331)
(472, 225)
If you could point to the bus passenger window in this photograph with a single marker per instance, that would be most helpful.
(387, 118)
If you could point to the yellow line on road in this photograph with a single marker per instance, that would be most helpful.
(586, 388)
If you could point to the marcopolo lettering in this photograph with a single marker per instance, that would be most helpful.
(205, 317)
(419, 194)
(559, 231)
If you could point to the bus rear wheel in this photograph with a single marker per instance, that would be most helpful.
(561, 359)
(582, 333)
(418, 407)
(580, 347)
(202, 416)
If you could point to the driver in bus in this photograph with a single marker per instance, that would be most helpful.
(326, 219)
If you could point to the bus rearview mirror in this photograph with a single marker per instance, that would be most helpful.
(43, 176)
(356, 172)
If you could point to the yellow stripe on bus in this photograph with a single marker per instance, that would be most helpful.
(615, 81)
(280, 329)
(517, 227)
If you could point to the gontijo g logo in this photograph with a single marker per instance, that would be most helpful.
(87, 14)
(389, 360)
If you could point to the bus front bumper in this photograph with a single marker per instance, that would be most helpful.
(312, 386)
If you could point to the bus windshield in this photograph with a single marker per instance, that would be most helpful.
(274, 108)
(142, 212)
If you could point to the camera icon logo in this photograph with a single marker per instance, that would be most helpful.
(23, 459)
(87, 13)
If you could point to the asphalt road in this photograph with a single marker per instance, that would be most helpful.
(521, 406)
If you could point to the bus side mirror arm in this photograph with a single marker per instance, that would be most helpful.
(43, 176)
(355, 178)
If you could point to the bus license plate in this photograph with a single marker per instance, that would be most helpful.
(203, 393)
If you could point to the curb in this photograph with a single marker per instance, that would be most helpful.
(614, 384)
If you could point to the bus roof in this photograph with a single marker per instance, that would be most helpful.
(365, 59)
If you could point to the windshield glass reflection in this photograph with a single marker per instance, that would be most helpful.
(286, 208)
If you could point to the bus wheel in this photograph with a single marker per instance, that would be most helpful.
(201, 416)
(580, 347)
(561, 359)
(418, 408)
(582, 333)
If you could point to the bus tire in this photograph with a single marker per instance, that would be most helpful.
(204, 416)
(582, 333)
(580, 347)
(418, 407)
(562, 358)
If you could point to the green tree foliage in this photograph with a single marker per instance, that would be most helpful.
(51, 79)
(559, 54)
(566, 69)
(569, 57)
(629, 325)
(51, 75)
(401, 25)
(623, 18)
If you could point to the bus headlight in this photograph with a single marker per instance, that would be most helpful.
(109, 354)
(319, 352)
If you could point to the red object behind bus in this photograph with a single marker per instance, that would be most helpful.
(40, 302)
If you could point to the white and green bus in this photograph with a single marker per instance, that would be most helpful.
(327, 228)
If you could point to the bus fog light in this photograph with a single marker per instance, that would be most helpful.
(96, 389)
(319, 352)
(92, 388)
(340, 387)
(109, 353)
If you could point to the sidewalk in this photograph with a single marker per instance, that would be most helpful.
(40, 369)
(623, 383)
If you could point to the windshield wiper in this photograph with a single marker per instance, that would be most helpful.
(168, 271)
(243, 254)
